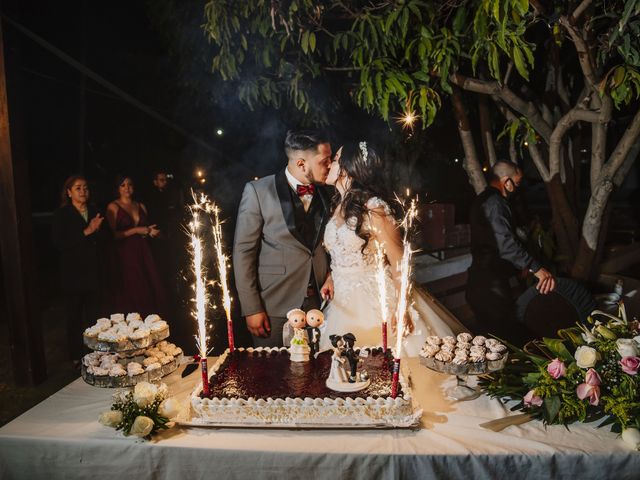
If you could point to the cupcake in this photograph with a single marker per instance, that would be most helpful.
(433, 340)
(479, 340)
(141, 337)
(464, 337)
(154, 371)
(117, 318)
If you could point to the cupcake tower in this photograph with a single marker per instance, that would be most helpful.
(464, 354)
(128, 350)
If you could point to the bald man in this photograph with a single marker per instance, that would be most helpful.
(497, 255)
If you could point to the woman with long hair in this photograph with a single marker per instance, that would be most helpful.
(363, 214)
(137, 284)
(77, 233)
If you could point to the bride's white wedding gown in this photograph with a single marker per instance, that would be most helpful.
(356, 307)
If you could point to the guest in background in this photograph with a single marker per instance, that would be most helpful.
(497, 256)
(78, 234)
(138, 287)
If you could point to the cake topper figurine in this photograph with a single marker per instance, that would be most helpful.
(299, 349)
(315, 319)
(343, 353)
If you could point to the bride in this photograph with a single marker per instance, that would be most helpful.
(362, 214)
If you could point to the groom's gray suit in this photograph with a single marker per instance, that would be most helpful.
(278, 259)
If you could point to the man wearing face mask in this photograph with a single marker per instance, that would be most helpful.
(498, 255)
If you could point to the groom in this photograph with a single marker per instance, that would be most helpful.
(278, 258)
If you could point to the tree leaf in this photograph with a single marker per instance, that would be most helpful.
(312, 41)
(518, 60)
(558, 348)
(552, 407)
(304, 43)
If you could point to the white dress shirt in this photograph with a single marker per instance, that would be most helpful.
(293, 183)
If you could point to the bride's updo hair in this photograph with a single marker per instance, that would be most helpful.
(366, 169)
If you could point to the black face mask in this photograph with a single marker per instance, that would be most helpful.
(510, 194)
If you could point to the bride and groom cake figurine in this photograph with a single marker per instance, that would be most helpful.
(306, 333)
(305, 342)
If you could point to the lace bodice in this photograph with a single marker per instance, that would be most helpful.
(345, 246)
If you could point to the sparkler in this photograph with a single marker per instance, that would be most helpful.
(201, 297)
(405, 289)
(408, 119)
(382, 290)
(222, 263)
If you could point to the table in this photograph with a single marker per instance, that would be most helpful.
(61, 438)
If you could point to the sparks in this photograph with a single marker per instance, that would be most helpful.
(201, 297)
(405, 289)
(381, 278)
(408, 119)
(222, 264)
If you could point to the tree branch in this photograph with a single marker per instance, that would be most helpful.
(564, 124)
(536, 156)
(621, 151)
(584, 54)
(528, 109)
(577, 13)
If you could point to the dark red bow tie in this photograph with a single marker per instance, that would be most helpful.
(302, 190)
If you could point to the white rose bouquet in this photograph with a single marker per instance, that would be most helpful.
(141, 411)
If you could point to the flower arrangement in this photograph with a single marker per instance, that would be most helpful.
(589, 373)
(142, 411)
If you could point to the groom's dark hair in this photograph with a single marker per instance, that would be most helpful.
(304, 140)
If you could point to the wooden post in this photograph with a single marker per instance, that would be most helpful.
(16, 248)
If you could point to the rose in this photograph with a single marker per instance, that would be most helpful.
(586, 357)
(163, 390)
(144, 393)
(591, 392)
(142, 426)
(111, 418)
(592, 378)
(632, 437)
(170, 408)
(556, 368)
(626, 347)
(630, 365)
(531, 399)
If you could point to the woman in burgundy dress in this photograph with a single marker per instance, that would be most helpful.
(138, 287)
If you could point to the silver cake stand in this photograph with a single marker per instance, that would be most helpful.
(462, 391)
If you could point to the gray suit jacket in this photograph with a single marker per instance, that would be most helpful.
(271, 263)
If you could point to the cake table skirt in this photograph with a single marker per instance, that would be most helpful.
(61, 438)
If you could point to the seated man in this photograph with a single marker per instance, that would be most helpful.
(497, 255)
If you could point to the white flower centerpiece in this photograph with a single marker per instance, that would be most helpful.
(143, 411)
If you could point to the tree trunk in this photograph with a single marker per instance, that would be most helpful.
(591, 231)
(471, 162)
(486, 130)
(564, 221)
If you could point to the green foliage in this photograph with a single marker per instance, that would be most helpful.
(619, 392)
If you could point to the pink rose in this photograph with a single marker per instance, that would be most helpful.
(592, 392)
(556, 368)
(532, 399)
(592, 378)
(630, 365)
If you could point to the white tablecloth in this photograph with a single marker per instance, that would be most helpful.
(61, 438)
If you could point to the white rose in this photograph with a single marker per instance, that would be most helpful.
(111, 418)
(586, 357)
(170, 408)
(142, 426)
(627, 347)
(144, 393)
(163, 390)
(632, 437)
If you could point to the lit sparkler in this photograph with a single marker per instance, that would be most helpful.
(381, 278)
(201, 297)
(408, 119)
(222, 263)
(405, 289)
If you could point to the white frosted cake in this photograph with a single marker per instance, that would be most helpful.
(262, 386)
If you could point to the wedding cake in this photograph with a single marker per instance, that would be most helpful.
(262, 386)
